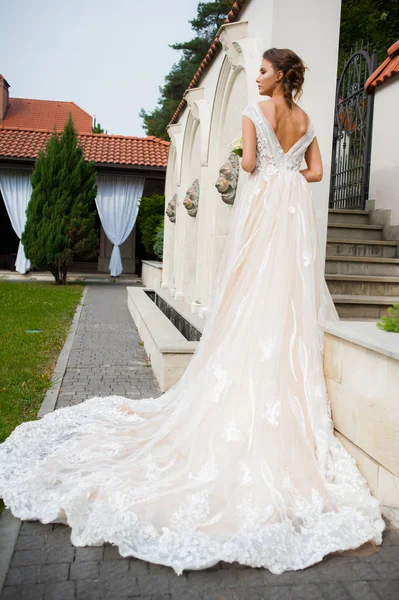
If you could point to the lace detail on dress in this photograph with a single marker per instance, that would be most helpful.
(265, 163)
(270, 157)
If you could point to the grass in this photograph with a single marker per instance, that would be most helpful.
(27, 360)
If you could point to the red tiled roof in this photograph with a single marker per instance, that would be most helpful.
(102, 148)
(210, 55)
(44, 114)
(387, 69)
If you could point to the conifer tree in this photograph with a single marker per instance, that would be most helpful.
(61, 215)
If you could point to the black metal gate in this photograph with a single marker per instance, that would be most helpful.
(351, 152)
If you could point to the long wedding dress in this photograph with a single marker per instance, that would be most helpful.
(238, 460)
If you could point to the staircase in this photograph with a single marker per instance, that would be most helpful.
(362, 269)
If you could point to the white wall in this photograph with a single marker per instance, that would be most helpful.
(310, 28)
(384, 173)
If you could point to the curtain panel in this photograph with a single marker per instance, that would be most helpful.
(16, 189)
(118, 204)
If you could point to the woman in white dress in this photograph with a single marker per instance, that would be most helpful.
(237, 461)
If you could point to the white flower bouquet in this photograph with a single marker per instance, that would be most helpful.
(236, 146)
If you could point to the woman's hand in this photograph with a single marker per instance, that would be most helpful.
(248, 162)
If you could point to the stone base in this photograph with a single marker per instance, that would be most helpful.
(151, 273)
(361, 368)
(168, 350)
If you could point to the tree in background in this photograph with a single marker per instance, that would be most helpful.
(149, 220)
(61, 215)
(210, 16)
(97, 127)
(374, 21)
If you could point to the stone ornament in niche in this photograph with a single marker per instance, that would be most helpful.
(190, 202)
(226, 183)
(171, 209)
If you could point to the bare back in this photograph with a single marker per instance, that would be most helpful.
(289, 126)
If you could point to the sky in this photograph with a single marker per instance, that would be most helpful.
(108, 56)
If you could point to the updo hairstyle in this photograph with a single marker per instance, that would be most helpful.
(293, 69)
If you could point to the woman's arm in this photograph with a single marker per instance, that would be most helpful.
(248, 162)
(314, 172)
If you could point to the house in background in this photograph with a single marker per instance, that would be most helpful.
(127, 169)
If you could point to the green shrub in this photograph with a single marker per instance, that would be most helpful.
(149, 219)
(390, 323)
(158, 244)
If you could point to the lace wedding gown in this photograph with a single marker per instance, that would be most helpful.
(237, 461)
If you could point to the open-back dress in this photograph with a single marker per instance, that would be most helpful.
(238, 461)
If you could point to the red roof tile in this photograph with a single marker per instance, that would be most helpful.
(102, 148)
(44, 114)
(210, 55)
(387, 69)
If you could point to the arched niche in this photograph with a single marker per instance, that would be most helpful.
(175, 133)
(187, 226)
(230, 99)
(171, 190)
(200, 111)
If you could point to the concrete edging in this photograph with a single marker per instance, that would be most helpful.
(50, 399)
(10, 525)
(9, 530)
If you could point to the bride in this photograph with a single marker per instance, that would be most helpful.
(238, 460)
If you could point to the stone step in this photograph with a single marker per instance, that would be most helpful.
(342, 215)
(362, 265)
(363, 285)
(354, 231)
(350, 247)
(362, 307)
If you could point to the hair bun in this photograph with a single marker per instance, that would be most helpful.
(293, 68)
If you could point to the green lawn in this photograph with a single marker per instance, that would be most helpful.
(27, 360)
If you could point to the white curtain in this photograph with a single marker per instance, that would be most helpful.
(16, 189)
(117, 204)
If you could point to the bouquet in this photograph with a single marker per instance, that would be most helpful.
(236, 146)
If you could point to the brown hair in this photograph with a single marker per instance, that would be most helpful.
(293, 69)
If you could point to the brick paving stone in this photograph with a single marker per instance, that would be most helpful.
(107, 358)
(24, 592)
(30, 542)
(111, 569)
(126, 585)
(53, 573)
(89, 553)
(386, 590)
(90, 590)
(153, 584)
(111, 552)
(361, 590)
(335, 591)
(25, 558)
(60, 591)
(22, 575)
(85, 570)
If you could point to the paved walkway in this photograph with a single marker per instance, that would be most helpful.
(107, 358)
